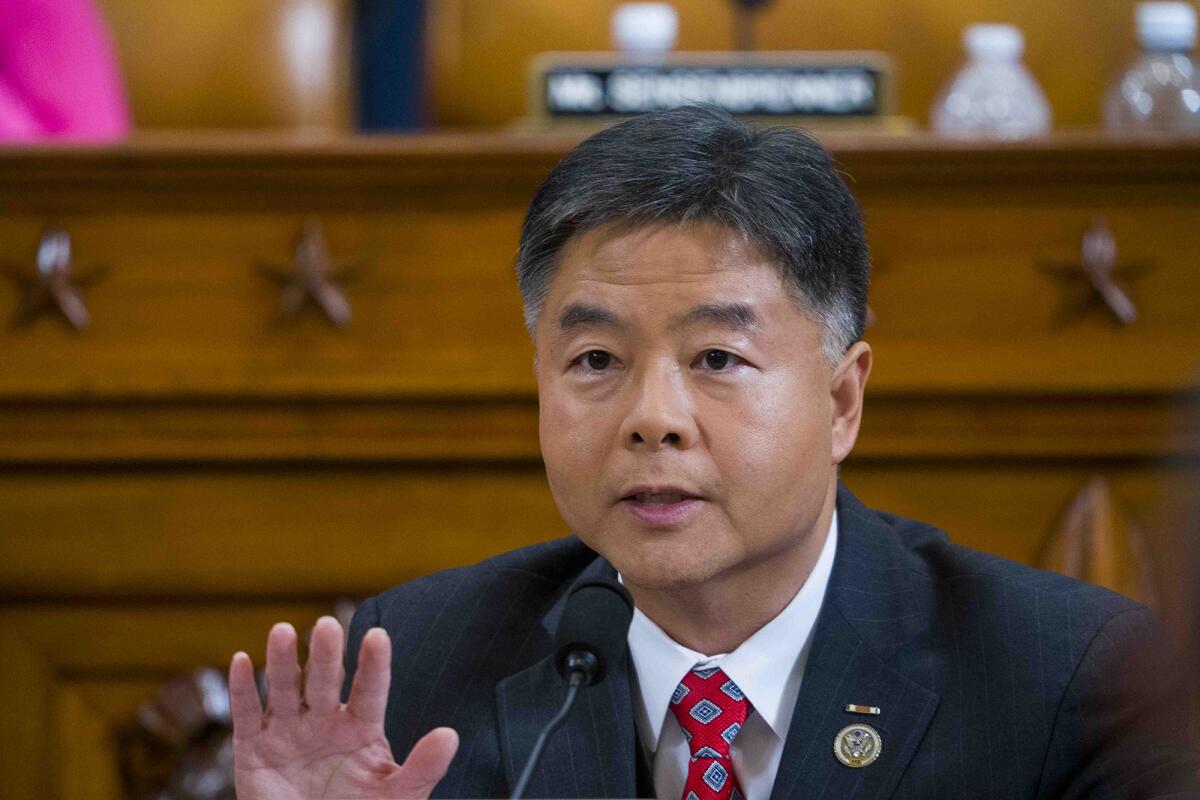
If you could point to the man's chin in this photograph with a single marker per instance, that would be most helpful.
(664, 572)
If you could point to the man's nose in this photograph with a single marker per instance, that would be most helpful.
(660, 412)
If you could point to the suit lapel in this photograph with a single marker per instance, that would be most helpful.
(592, 754)
(865, 620)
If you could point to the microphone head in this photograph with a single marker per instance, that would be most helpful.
(595, 621)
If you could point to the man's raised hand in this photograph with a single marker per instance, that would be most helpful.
(313, 745)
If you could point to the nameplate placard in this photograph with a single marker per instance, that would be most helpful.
(831, 85)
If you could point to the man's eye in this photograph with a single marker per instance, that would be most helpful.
(718, 360)
(597, 359)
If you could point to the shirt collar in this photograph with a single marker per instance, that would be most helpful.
(767, 667)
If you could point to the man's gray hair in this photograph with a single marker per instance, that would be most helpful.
(775, 187)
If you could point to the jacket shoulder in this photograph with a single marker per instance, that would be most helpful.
(956, 593)
(1063, 688)
(931, 555)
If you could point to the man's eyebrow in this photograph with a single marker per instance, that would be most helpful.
(734, 316)
(579, 315)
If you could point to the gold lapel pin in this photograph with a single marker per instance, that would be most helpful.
(857, 745)
(855, 709)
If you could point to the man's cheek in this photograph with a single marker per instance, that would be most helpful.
(583, 442)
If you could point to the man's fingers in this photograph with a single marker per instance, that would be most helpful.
(323, 675)
(283, 672)
(428, 761)
(368, 696)
(244, 705)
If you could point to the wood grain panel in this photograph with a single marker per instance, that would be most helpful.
(239, 430)
(249, 532)
(184, 308)
(88, 738)
(461, 171)
(965, 287)
(154, 639)
(26, 737)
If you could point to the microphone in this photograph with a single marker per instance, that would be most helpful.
(743, 31)
(592, 635)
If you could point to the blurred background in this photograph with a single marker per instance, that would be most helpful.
(380, 64)
(261, 351)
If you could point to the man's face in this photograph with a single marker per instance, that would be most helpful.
(674, 358)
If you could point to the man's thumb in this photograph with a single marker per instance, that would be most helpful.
(429, 759)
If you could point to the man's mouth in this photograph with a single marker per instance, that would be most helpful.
(659, 506)
(659, 498)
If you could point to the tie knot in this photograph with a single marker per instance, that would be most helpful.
(711, 709)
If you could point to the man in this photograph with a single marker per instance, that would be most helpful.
(696, 293)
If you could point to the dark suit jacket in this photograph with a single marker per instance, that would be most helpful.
(995, 680)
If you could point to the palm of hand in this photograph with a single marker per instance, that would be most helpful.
(323, 748)
(335, 757)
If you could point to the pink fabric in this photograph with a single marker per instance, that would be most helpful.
(58, 75)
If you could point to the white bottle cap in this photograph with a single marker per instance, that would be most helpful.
(994, 41)
(645, 27)
(1166, 26)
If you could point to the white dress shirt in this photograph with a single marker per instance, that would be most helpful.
(767, 667)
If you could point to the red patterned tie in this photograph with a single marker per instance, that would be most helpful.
(710, 709)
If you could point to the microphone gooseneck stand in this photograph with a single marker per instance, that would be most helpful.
(591, 635)
(581, 675)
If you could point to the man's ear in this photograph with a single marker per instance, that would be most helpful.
(849, 382)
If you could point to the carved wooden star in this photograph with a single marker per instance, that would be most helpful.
(52, 286)
(1104, 281)
(312, 277)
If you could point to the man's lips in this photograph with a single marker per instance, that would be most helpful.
(658, 494)
(660, 506)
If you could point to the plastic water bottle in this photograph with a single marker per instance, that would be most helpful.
(993, 96)
(645, 31)
(1160, 91)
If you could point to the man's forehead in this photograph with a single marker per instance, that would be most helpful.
(701, 262)
(676, 275)
(680, 247)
